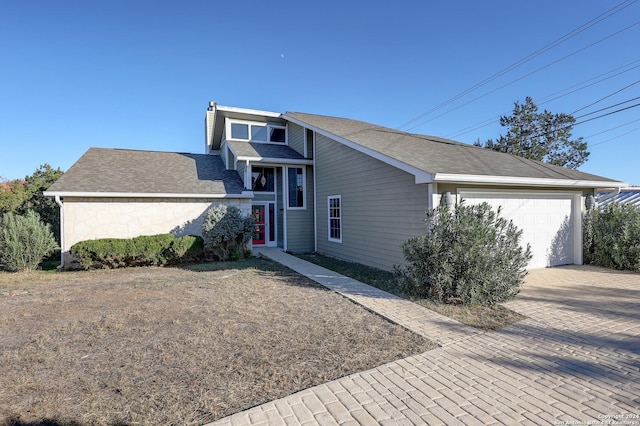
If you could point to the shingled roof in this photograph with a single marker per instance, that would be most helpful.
(122, 171)
(438, 156)
(263, 150)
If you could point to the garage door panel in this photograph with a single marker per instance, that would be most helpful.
(546, 223)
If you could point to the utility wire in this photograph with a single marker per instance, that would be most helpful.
(527, 58)
(569, 126)
(605, 108)
(524, 76)
(579, 86)
(614, 138)
(608, 96)
(576, 87)
(611, 129)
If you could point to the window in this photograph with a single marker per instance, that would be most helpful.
(295, 184)
(258, 132)
(335, 218)
(277, 134)
(239, 131)
(263, 179)
(309, 140)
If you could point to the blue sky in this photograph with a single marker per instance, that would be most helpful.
(139, 74)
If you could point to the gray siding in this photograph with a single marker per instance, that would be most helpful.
(300, 234)
(241, 166)
(296, 138)
(381, 206)
(279, 208)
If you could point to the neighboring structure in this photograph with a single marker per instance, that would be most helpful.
(341, 187)
(630, 195)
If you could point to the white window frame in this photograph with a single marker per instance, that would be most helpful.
(269, 127)
(329, 198)
(304, 187)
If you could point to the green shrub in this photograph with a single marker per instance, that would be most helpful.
(144, 250)
(469, 255)
(120, 252)
(226, 231)
(186, 249)
(615, 236)
(24, 241)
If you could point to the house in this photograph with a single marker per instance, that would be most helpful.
(341, 187)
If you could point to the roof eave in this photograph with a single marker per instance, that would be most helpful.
(421, 176)
(524, 181)
(276, 160)
(89, 194)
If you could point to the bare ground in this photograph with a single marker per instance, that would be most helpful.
(176, 345)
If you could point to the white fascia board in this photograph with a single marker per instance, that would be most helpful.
(248, 111)
(276, 160)
(420, 175)
(524, 181)
(244, 194)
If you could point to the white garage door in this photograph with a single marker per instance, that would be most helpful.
(546, 219)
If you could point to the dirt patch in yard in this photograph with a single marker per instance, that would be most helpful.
(177, 346)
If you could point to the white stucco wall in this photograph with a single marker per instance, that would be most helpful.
(93, 218)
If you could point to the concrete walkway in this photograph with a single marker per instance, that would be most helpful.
(575, 360)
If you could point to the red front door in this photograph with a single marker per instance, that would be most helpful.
(260, 226)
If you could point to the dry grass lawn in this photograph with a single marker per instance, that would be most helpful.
(176, 345)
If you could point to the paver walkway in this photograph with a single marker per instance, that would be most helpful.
(575, 360)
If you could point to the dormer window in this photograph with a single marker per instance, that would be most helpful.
(258, 132)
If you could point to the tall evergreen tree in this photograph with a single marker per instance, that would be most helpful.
(541, 136)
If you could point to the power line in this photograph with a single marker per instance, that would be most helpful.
(612, 128)
(569, 35)
(610, 106)
(570, 126)
(526, 75)
(615, 137)
(576, 87)
(608, 96)
(545, 100)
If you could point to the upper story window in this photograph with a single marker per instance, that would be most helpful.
(257, 132)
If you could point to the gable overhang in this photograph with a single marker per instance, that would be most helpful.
(523, 181)
(420, 175)
(220, 112)
(88, 194)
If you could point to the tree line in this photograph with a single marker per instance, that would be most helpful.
(19, 196)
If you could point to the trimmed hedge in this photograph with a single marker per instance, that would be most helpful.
(144, 250)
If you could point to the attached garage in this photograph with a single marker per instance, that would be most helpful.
(550, 221)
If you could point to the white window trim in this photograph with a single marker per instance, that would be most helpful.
(329, 198)
(304, 187)
(269, 126)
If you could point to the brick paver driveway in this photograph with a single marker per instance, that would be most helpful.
(574, 360)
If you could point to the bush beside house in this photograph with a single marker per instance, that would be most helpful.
(611, 236)
(24, 241)
(468, 255)
(144, 250)
(227, 232)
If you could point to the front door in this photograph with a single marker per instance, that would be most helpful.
(260, 224)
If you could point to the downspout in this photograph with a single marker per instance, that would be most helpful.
(59, 203)
(608, 196)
